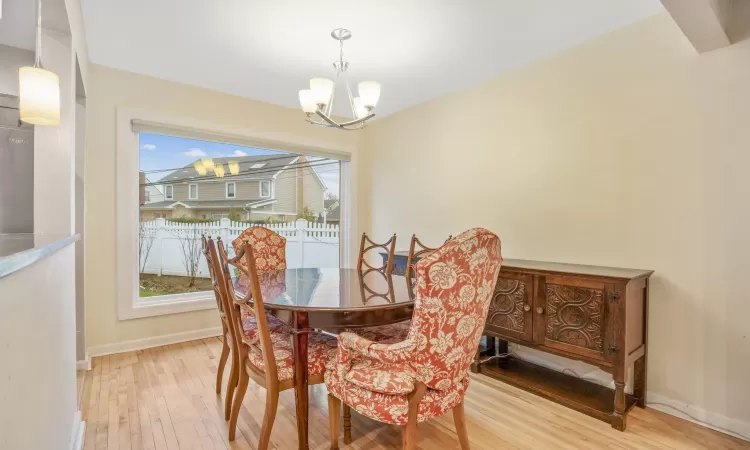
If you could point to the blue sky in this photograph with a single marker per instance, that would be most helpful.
(159, 152)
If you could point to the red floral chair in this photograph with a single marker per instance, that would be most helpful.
(269, 248)
(425, 375)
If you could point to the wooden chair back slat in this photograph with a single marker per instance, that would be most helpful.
(366, 245)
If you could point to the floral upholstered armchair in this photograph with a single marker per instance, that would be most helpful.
(426, 374)
(269, 248)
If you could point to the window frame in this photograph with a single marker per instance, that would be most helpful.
(225, 216)
(169, 188)
(190, 191)
(129, 123)
(226, 189)
(260, 189)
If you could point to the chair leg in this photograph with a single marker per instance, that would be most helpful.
(234, 378)
(222, 364)
(459, 418)
(272, 402)
(410, 433)
(347, 424)
(239, 395)
(334, 416)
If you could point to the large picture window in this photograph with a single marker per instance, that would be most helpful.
(221, 189)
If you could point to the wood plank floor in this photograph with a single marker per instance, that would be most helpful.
(164, 398)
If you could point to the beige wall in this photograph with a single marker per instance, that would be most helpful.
(109, 89)
(629, 150)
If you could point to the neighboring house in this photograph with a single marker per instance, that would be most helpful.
(333, 211)
(267, 186)
(153, 193)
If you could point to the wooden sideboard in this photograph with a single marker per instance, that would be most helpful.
(594, 314)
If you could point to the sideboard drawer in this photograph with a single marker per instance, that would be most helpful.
(510, 312)
(573, 315)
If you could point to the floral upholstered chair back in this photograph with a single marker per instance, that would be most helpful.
(269, 249)
(454, 286)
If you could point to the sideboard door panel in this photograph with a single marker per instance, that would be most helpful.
(511, 311)
(574, 316)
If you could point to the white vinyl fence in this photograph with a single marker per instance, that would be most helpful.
(164, 244)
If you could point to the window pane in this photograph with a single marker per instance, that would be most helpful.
(180, 176)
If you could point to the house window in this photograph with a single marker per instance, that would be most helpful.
(219, 216)
(231, 193)
(265, 189)
(160, 215)
(148, 197)
(193, 192)
(169, 192)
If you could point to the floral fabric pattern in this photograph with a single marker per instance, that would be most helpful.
(250, 327)
(320, 352)
(454, 286)
(269, 249)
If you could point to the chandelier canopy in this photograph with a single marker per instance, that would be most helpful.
(317, 102)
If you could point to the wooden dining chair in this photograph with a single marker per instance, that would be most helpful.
(272, 244)
(367, 245)
(414, 256)
(225, 340)
(265, 357)
(427, 374)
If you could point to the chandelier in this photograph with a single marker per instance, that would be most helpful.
(317, 102)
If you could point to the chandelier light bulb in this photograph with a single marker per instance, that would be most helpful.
(369, 92)
(234, 167)
(322, 89)
(307, 100)
(359, 109)
(208, 163)
(219, 170)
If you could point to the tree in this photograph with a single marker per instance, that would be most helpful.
(235, 215)
(189, 237)
(331, 196)
(145, 242)
(308, 214)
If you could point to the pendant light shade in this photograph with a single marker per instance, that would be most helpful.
(200, 168)
(38, 88)
(39, 96)
(234, 167)
(219, 170)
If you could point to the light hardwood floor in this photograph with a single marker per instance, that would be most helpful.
(164, 398)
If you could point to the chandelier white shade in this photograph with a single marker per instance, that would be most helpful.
(38, 88)
(317, 102)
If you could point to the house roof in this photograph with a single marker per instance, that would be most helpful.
(258, 166)
(208, 204)
(333, 209)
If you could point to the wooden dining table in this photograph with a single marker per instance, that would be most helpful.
(331, 300)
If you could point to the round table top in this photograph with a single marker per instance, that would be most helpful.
(327, 289)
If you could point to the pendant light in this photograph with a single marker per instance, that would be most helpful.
(39, 89)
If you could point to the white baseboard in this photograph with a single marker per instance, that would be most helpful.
(718, 422)
(77, 433)
(84, 364)
(155, 341)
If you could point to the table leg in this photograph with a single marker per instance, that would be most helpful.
(300, 337)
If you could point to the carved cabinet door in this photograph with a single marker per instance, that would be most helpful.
(573, 315)
(511, 312)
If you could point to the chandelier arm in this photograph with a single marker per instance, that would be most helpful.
(329, 108)
(351, 99)
(354, 122)
(327, 119)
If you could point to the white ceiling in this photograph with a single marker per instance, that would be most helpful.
(268, 50)
(17, 23)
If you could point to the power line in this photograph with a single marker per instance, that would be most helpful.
(305, 165)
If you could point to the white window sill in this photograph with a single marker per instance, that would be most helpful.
(169, 304)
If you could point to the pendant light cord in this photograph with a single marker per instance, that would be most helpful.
(38, 57)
